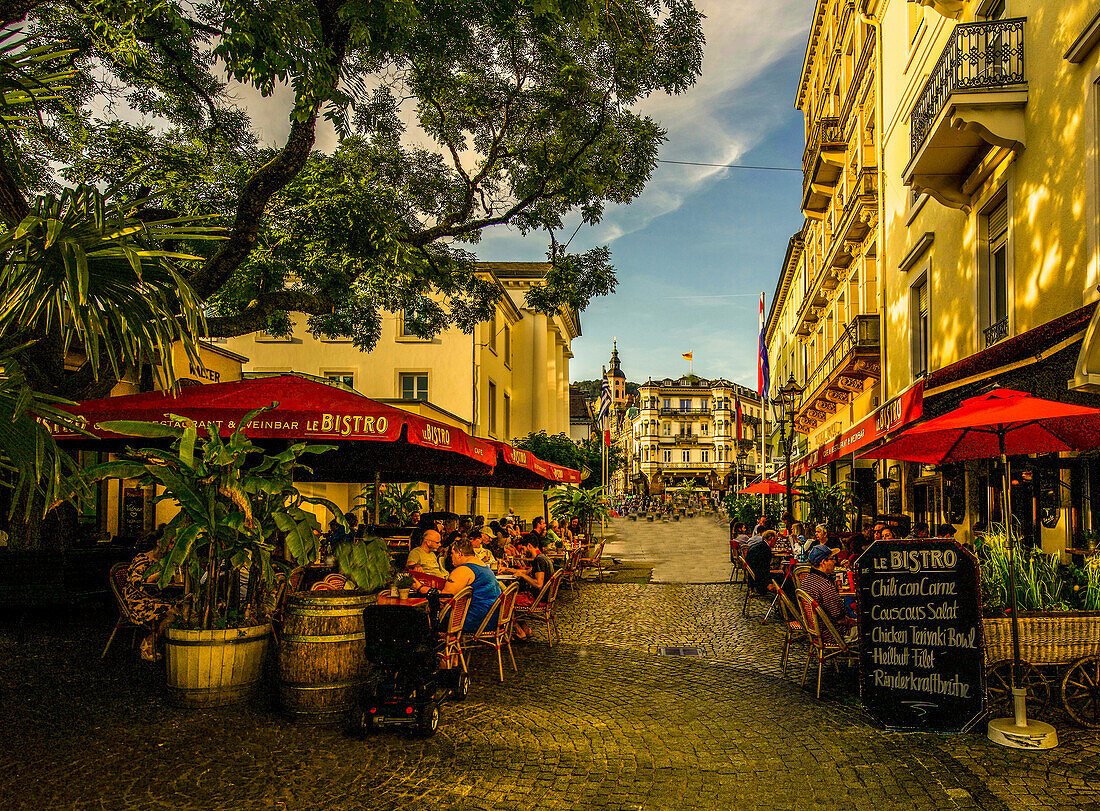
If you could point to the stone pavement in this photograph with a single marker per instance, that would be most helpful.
(600, 721)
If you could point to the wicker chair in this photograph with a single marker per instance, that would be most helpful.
(125, 618)
(826, 642)
(542, 607)
(594, 562)
(500, 635)
(452, 619)
(571, 569)
(793, 626)
(738, 565)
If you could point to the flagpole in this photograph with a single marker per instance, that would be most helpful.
(763, 433)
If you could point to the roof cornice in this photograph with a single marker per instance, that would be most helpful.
(795, 247)
(808, 59)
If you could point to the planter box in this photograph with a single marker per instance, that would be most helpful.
(1047, 638)
(215, 668)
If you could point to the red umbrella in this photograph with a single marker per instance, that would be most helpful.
(371, 437)
(1001, 423)
(979, 426)
(766, 487)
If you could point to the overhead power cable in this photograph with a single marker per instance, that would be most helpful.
(732, 166)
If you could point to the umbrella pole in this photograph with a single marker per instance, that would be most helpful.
(1021, 710)
(1016, 732)
(377, 485)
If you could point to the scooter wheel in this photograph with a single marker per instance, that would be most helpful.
(427, 721)
(462, 688)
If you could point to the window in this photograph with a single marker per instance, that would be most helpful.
(507, 414)
(347, 378)
(704, 456)
(703, 428)
(668, 457)
(685, 456)
(493, 332)
(414, 387)
(685, 405)
(507, 345)
(403, 325)
(666, 403)
(492, 408)
(668, 428)
(993, 295)
(919, 310)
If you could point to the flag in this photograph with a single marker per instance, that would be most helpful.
(607, 438)
(737, 415)
(763, 378)
(687, 355)
(605, 399)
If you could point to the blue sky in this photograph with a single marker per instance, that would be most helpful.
(695, 250)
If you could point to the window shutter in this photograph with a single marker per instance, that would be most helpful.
(922, 298)
(998, 222)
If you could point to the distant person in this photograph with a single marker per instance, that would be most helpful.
(920, 530)
(761, 525)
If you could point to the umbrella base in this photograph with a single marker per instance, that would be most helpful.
(1036, 735)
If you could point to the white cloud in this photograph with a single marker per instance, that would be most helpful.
(722, 117)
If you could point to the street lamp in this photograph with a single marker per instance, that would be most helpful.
(786, 405)
(742, 450)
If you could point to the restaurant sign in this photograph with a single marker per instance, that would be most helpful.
(895, 413)
(920, 623)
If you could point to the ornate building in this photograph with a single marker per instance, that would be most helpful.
(684, 429)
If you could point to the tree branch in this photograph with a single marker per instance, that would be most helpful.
(274, 175)
(254, 317)
(443, 229)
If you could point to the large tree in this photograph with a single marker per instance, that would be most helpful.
(454, 115)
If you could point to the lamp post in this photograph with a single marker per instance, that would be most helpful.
(786, 407)
(742, 454)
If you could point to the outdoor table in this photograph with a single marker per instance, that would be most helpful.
(385, 598)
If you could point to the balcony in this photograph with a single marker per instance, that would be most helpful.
(972, 104)
(822, 165)
(672, 412)
(843, 373)
(996, 332)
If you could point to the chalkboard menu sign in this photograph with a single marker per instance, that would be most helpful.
(920, 623)
(133, 513)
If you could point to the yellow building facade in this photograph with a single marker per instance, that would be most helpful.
(824, 324)
(685, 428)
(991, 227)
(507, 379)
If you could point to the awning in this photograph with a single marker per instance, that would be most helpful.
(519, 468)
(1023, 348)
(895, 413)
(370, 436)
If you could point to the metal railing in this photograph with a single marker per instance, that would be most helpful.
(862, 331)
(980, 56)
(826, 130)
(665, 412)
(996, 332)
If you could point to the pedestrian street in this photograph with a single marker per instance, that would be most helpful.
(603, 720)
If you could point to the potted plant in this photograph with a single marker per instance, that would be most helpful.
(234, 501)
(588, 505)
(404, 584)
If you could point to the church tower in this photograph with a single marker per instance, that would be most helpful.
(617, 379)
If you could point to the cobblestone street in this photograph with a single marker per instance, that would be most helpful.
(602, 720)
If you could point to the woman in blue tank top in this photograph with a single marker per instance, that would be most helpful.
(470, 571)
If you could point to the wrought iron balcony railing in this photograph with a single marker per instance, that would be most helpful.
(980, 56)
(666, 412)
(862, 331)
(825, 130)
(996, 332)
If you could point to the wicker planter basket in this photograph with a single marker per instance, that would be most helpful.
(1048, 638)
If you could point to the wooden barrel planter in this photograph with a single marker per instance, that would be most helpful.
(215, 668)
(322, 664)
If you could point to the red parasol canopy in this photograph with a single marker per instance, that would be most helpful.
(370, 436)
(520, 468)
(767, 487)
(974, 430)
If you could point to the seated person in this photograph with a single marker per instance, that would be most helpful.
(553, 531)
(799, 547)
(424, 560)
(144, 600)
(531, 580)
(470, 571)
(758, 557)
(481, 551)
(445, 551)
(820, 584)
